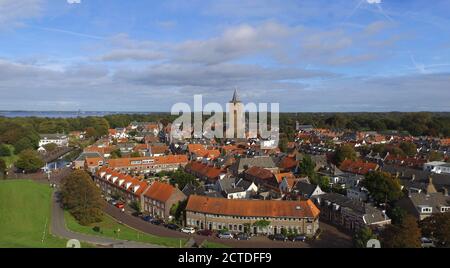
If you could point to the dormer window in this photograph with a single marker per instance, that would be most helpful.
(425, 209)
(445, 209)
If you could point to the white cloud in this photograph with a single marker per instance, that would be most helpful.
(14, 12)
(374, 2)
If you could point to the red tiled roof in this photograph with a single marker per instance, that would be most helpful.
(358, 167)
(258, 172)
(129, 183)
(204, 170)
(160, 191)
(166, 159)
(252, 208)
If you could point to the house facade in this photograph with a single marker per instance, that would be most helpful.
(244, 215)
(159, 198)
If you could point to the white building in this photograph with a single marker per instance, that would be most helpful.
(58, 139)
(437, 167)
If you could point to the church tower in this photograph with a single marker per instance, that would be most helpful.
(235, 117)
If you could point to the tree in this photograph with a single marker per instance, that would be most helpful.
(405, 235)
(82, 198)
(409, 148)
(262, 224)
(396, 214)
(307, 167)
(362, 236)
(29, 161)
(177, 210)
(116, 154)
(344, 152)
(3, 168)
(135, 154)
(5, 150)
(50, 147)
(437, 226)
(136, 205)
(23, 144)
(283, 144)
(382, 187)
(181, 179)
(436, 156)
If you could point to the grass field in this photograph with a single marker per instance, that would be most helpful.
(25, 216)
(109, 226)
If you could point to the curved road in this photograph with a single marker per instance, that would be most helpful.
(58, 228)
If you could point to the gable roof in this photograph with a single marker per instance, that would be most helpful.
(252, 208)
(358, 167)
(160, 191)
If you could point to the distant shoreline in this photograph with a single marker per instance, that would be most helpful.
(74, 114)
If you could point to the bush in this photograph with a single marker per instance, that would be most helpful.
(5, 150)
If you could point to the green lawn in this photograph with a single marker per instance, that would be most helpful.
(208, 244)
(109, 227)
(25, 216)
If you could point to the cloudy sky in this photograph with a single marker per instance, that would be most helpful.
(317, 55)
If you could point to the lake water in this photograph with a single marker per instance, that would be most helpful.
(61, 114)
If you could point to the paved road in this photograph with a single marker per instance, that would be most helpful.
(58, 228)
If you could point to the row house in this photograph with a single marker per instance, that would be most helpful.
(206, 172)
(145, 165)
(359, 167)
(350, 214)
(159, 198)
(241, 215)
(113, 183)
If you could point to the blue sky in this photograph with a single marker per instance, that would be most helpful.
(345, 55)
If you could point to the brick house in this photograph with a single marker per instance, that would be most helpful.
(159, 198)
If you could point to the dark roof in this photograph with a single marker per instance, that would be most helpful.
(369, 213)
(263, 162)
(421, 177)
(305, 188)
(434, 200)
(235, 97)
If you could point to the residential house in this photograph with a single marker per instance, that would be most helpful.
(358, 167)
(206, 172)
(115, 184)
(423, 204)
(146, 165)
(159, 198)
(243, 164)
(307, 190)
(350, 214)
(59, 139)
(239, 215)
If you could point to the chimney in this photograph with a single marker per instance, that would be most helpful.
(430, 188)
(445, 191)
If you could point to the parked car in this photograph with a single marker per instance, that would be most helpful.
(172, 226)
(147, 218)
(299, 238)
(242, 236)
(188, 230)
(156, 221)
(205, 232)
(225, 235)
(279, 237)
(427, 242)
(120, 205)
(137, 214)
(113, 202)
